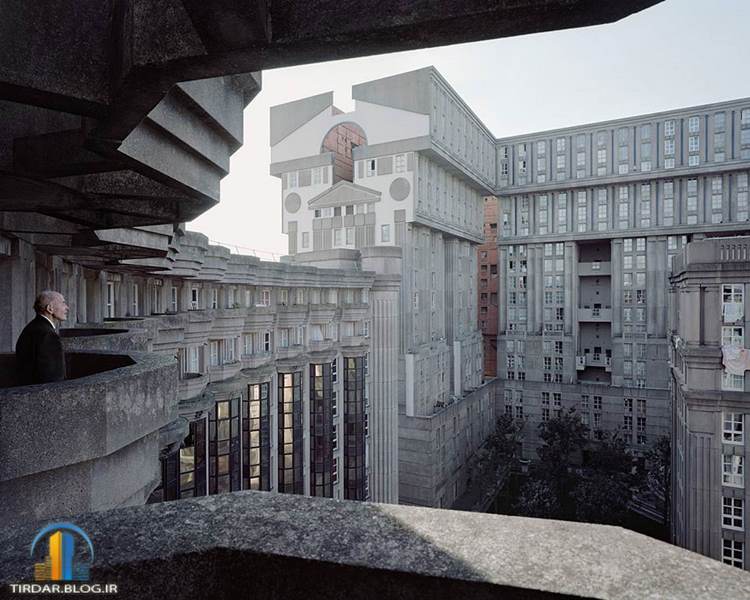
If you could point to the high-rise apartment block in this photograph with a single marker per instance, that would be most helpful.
(590, 218)
(400, 182)
(710, 303)
(489, 287)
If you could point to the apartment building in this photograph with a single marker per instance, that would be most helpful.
(403, 175)
(590, 218)
(489, 287)
(709, 304)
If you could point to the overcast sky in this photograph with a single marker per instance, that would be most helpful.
(678, 53)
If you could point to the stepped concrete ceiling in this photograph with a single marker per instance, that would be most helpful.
(122, 114)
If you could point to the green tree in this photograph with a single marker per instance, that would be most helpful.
(658, 478)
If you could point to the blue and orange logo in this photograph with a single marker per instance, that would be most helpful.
(70, 553)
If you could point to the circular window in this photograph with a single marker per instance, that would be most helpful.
(292, 203)
(400, 189)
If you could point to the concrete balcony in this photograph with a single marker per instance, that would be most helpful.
(291, 315)
(595, 315)
(322, 313)
(253, 361)
(191, 385)
(262, 545)
(224, 371)
(594, 269)
(321, 345)
(599, 360)
(90, 442)
(354, 341)
(90, 339)
(289, 352)
(354, 312)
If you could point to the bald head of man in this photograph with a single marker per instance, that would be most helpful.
(52, 305)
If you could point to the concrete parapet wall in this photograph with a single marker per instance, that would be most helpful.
(260, 545)
(95, 438)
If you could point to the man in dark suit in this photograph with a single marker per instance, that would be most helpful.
(39, 352)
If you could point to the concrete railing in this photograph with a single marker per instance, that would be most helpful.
(90, 442)
(595, 314)
(264, 545)
(595, 268)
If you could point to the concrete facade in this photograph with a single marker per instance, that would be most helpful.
(590, 218)
(238, 327)
(489, 287)
(417, 183)
(709, 307)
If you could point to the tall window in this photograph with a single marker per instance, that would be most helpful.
(733, 429)
(732, 513)
(290, 433)
(732, 553)
(733, 470)
(110, 312)
(354, 429)
(224, 447)
(321, 431)
(256, 438)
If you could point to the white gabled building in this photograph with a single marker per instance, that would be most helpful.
(399, 182)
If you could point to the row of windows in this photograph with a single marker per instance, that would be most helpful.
(645, 208)
(623, 149)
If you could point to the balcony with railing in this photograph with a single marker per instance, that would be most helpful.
(261, 545)
(595, 268)
(90, 442)
(595, 314)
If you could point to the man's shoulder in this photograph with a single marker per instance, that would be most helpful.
(38, 326)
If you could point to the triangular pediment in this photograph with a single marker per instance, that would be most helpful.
(344, 192)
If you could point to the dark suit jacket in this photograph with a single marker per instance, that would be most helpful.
(39, 353)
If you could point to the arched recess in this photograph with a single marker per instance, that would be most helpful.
(341, 140)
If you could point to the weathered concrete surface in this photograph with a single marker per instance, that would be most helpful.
(262, 545)
(87, 443)
(101, 338)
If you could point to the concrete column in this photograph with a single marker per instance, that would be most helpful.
(656, 281)
(616, 287)
(571, 285)
(384, 367)
(17, 292)
(532, 290)
(502, 291)
(538, 300)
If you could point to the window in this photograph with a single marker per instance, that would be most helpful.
(305, 239)
(194, 298)
(338, 237)
(669, 147)
(267, 341)
(350, 236)
(400, 163)
(669, 127)
(135, 300)
(283, 297)
(693, 124)
(370, 167)
(213, 348)
(214, 298)
(732, 516)
(733, 301)
(265, 298)
(110, 313)
(733, 336)
(733, 432)
(733, 473)
(733, 553)
(385, 233)
(174, 299)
